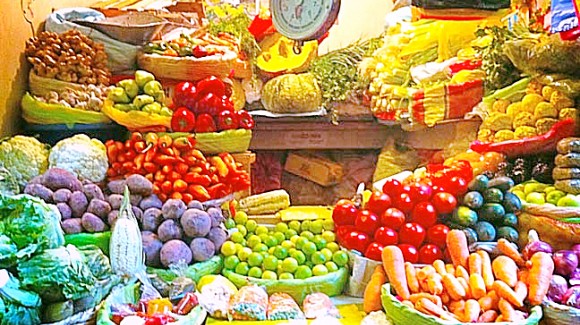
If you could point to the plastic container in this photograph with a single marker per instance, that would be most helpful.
(53, 133)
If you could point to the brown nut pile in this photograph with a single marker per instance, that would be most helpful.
(70, 56)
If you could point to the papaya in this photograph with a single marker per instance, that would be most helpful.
(278, 56)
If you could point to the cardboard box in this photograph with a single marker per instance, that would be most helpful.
(316, 169)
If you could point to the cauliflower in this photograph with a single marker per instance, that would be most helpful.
(534, 87)
(547, 92)
(514, 109)
(530, 101)
(485, 135)
(559, 100)
(568, 113)
(82, 156)
(499, 121)
(500, 106)
(524, 119)
(24, 157)
(545, 109)
(525, 132)
(545, 124)
(504, 135)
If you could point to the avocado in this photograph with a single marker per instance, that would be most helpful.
(473, 200)
(504, 183)
(471, 235)
(485, 231)
(510, 220)
(511, 203)
(508, 233)
(464, 216)
(478, 183)
(492, 212)
(57, 311)
(493, 195)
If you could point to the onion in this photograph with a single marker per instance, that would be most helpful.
(576, 248)
(572, 297)
(565, 262)
(574, 277)
(558, 287)
(534, 247)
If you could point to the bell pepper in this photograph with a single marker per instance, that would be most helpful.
(159, 320)
(185, 94)
(100, 239)
(199, 51)
(209, 103)
(245, 120)
(184, 143)
(212, 85)
(227, 120)
(183, 120)
(205, 123)
(261, 26)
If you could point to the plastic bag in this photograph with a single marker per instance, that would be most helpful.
(136, 120)
(467, 4)
(195, 271)
(563, 16)
(544, 54)
(249, 303)
(122, 56)
(232, 141)
(37, 112)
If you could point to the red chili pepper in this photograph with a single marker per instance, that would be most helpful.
(181, 168)
(245, 119)
(182, 120)
(186, 197)
(140, 146)
(198, 192)
(177, 196)
(165, 141)
(212, 85)
(139, 160)
(229, 160)
(227, 120)
(184, 143)
(199, 51)
(170, 151)
(164, 160)
(194, 153)
(130, 155)
(205, 123)
(184, 94)
(195, 178)
(166, 187)
(150, 167)
(179, 186)
(261, 26)
(218, 190)
(159, 176)
(112, 152)
(111, 173)
(173, 176)
(150, 154)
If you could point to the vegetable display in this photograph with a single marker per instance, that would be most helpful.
(24, 157)
(143, 93)
(200, 44)
(86, 158)
(91, 98)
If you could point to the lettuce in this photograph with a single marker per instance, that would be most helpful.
(16, 305)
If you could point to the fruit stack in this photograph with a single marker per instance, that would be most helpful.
(567, 171)
(545, 194)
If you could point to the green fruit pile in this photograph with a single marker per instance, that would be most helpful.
(293, 250)
(545, 194)
(488, 211)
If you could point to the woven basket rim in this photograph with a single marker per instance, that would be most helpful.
(226, 57)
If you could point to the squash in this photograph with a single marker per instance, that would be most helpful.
(292, 93)
(278, 56)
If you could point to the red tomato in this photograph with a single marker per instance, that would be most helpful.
(404, 203)
(342, 231)
(378, 202)
(444, 203)
(392, 187)
(421, 192)
(429, 253)
(456, 186)
(424, 213)
(386, 236)
(374, 251)
(438, 189)
(437, 235)
(344, 213)
(393, 218)
(358, 241)
(412, 233)
(410, 253)
(367, 222)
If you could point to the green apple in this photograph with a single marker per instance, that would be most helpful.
(520, 194)
(549, 189)
(534, 187)
(554, 196)
(536, 198)
(569, 201)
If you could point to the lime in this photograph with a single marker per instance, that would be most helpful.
(307, 234)
(328, 224)
(290, 233)
(309, 248)
(300, 242)
(294, 238)
(255, 259)
(319, 270)
(292, 251)
(309, 264)
(255, 272)
(251, 225)
(269, 275)
(280, 252)
(332, 246)
(239, 247)
(241, 218)
(261, 230)
(271, 250)
(242, 268)
(298, 256)
(303, 272)
(231, 262)
(237, 237)
(327, 253)
(259, 248)
(270, 263)
(228, 248)
(329, 236)
(319, 241)
(242, 229)
(331, 266)
(318, 258)
(230, 223)
(316, 226)
(271, 241)
(263, 237)
(305, 225)
(340, 258)
(294, 225)
(253, 240)
(286, 276)
(289, 265)
(281, 227)
(244, 254)
(279, 237)
(287, 244)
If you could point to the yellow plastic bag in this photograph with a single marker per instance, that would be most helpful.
(233, 141)
(136, 120)
(37, 112)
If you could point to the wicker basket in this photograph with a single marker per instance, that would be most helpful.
(556, 314)
(545, 220)
(40, 86)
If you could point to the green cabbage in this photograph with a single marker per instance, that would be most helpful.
(16, 305)
(292, 93)
(28, 225)
(25, 157)
(97, 262)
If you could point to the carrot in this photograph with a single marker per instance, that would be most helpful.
(523, 275)
(506, 270)
(453, 287)
(435, 284)
(458, 305)
(521, 290)
(486, 270)
(435, 299)
(461, 272)
(372, 294)
(504, 291)
(542, 267)
(509, 250)
(474, 264)
(394, 265)
(507, 310)
(439, 266)
(408, 304)
(465, 284)
(487, 317)
(427, 306)
(471, 313)
(445, 298)
(411, 274)
(425, 272)
(477, 286)
(450, 268)
(499, 319)
(424, 285)
(457, 245)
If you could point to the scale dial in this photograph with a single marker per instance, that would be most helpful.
(304, 20)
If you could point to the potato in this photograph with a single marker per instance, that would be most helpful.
(112, 217)
(115, 201)
(151, 201)
(216, 216)
(78, 204)
(57, 178)
(173, 209)
(196, 223)
(169, 229)
(61, 196)
(36, 180)
(135, 199)
(194, 204)
(218, 236)
(93, 191)
(202, 249)
(39, 191)
(151, 219)
(92, 223)
(99, 208)
(117, 186)
(137, 212)
(174, 251)
(152, 248)
(72, 226)
(138, 184)
(65, 211)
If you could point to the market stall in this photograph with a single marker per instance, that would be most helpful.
(206, 163)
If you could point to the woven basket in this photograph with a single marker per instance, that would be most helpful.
(87, 317)
(401, 314)
(135, 120)
(545, 220)
(40, 86)
(556, 314)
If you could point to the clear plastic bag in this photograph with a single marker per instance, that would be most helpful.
(542, 55)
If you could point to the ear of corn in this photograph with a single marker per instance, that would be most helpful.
(126, 247)
(265, 203)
